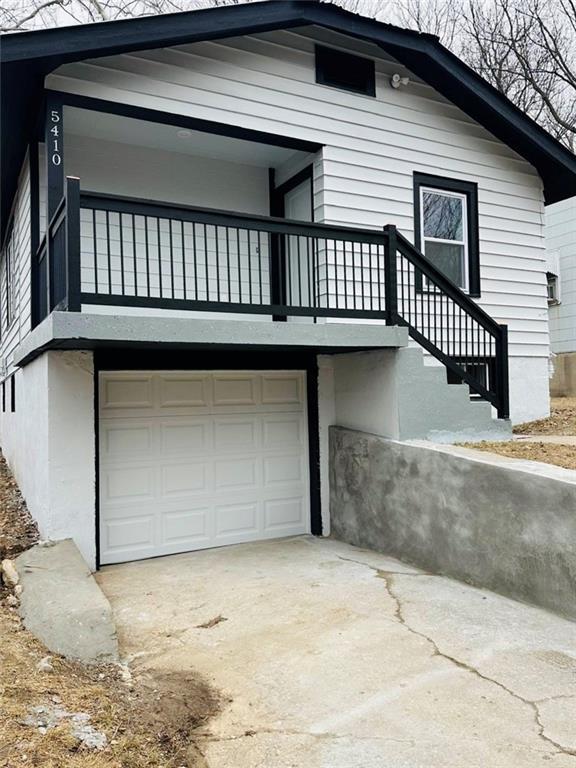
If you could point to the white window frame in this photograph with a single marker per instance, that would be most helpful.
(465, 241)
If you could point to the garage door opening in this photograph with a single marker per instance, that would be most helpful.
(196, 459)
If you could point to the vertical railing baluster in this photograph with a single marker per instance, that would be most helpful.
(311, 256)
(345, 266)
(134, 257)
(228, 277)
(249, 265)
(182, 241)
(108, 252)
(158, 245)
(122, 280)
(171, 255)
(206, 263)
(195, 260)
(95, 249)
(216, 245)
(238, 258)
(260, 267)
(147, 244)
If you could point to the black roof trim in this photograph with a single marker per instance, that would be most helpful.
(26, 58)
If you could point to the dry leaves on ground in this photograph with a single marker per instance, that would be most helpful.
(549, 453)
(18, 530)
(149, 723)
(562, 420)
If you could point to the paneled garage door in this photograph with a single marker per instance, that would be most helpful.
(190, 460)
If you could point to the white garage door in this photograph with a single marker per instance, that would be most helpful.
(195, 460)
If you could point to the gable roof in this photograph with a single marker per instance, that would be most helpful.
(26, 58)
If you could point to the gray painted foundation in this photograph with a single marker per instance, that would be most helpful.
(393, 393)
(498, 523)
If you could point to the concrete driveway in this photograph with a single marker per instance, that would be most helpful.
(335, 657)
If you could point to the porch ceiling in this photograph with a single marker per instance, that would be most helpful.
(168, 138)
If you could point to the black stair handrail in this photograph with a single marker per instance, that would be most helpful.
(498, 394)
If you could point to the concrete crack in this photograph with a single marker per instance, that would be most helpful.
(249, 733)
(387, 578)
(414, 574)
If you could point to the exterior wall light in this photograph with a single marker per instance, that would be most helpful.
(397, 81)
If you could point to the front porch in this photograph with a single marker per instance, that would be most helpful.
(125, 256)
(112, 248)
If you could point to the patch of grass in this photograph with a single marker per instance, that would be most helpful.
(562, 420)
(548, 453)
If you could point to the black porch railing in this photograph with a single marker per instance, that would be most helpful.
(136, 253)
(128, 252)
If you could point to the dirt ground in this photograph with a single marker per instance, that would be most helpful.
(17, 529)
(548, 453)
(148, 721)
(561, 422)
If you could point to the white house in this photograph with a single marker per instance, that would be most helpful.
(561, 268)
(226, 230)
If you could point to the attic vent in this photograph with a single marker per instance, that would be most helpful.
(345, 71)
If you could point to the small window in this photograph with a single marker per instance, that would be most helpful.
(13, 393)
(446, 229)
(553, 288)
(345, 71)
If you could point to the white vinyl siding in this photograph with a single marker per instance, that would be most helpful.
(372, 146)
(561, 238)
(17, 326)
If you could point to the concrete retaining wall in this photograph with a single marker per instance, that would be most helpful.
(502, 524)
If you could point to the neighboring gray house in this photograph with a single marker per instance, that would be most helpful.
(561, 249)
(225, 231)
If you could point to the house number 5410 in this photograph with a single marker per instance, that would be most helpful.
(56, 157)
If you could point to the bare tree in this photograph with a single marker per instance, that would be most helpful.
(525, 48)
(24, 15)
(442, 18)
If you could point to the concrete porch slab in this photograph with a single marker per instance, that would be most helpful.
(330, 655)
(89, 330)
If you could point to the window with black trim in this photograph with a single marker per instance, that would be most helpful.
(13, 393)
(446, 228)
(345, 71)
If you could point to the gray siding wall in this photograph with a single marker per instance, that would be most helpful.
(372, 146)
(19, 327)
(561, 238)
